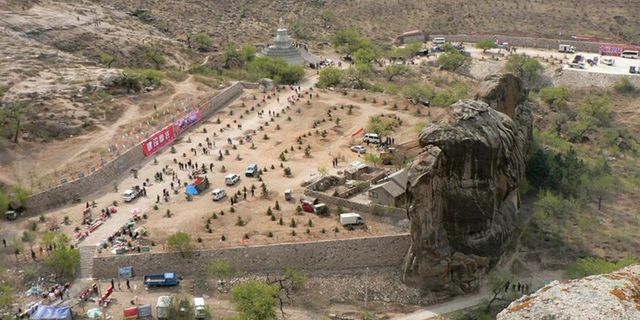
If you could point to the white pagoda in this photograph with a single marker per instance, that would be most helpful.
(283, 48)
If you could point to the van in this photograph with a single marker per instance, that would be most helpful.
(218, 194)
(200, 308)
(630, 54)
(566, 48)
(252, 169)
(438, 41)
(231, 179)
(371, 138)
(162, 307)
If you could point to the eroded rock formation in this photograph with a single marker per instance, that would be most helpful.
(609, 296)
(464, 188)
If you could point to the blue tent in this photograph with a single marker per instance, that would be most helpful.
(190, 189)
(51, 313)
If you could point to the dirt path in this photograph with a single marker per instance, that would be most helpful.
(440, 309)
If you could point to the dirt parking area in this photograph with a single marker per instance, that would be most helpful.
(291, 128)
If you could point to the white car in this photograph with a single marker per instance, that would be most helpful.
(218, 194)
(231, 179)
(359, 149)
(608, 61)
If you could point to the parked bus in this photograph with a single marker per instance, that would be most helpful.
(630, 54)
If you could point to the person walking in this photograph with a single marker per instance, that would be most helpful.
(128, 285)
(112, 284)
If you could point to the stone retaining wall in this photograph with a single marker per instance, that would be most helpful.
(114, 171)
(583, 79)
(586, 46)
(325, 255)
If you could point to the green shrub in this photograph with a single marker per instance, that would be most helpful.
(555, 96)
(593, 265)
(453, 60)
(625, 86)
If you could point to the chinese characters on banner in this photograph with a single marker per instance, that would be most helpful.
(188, 120)
(158, 140)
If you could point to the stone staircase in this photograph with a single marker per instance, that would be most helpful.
(86, 261)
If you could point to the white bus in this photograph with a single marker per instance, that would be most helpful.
(631, 54)
(438, 41)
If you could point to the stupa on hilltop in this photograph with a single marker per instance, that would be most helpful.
(283, 48)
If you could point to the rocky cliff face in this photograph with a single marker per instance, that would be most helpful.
(609, 296)
(464, 188)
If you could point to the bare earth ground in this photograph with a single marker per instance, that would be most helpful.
(191, 215)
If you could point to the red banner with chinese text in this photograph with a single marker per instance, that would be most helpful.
(158, 140)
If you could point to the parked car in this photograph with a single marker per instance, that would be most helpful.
(218, 194)
(251, 171)
(371, 138)
(231, 179)
(579, 65)
(608, 61)
(359, 149)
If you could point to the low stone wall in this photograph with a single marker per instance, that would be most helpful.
(583, 79)
(338, 202)
(115, 170)
(325, 255)
(586, 46)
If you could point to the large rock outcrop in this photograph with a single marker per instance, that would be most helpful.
(464, 188)
(603, 297)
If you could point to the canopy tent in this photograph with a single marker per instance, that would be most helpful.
(52, 313)
(191, 190)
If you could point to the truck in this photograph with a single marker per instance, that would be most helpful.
(162, 307)
(200, 308)
(351, 220)
(167, 279)
(566, 48)
(131, 194)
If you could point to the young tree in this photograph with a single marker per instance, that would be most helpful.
(220, 269)
(328, 18)
(395, 70)
(6, 295)
(365, 55)
(108, 59)
(181, 308)
(15, 112)
(128, 81)
(500, 284)
(18, 196)
(154, 55)
(453, 60)
(255, 299)
(4, 202)
(525, 67)
(373, 159)
(63, 261)
(485, 45)
(202, 41)
(323, 171)
(247, 54)
(330, 77)
(181, 242)
(601, 187)
(16, 246)
(347, 41)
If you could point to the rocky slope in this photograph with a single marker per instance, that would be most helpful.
(609, 296)
(464, 188)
